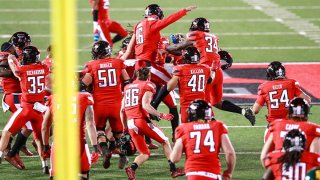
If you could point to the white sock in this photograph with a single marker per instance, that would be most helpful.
(95, 25)
(243, 111)
(1, 153)
(44, 163)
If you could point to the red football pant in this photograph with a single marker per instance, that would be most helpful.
(138, 128)
(108, 27)
(214, 91)
(102, 113)
(20, 118)
(11, 102)
(170, 100)
(194, 177)
(184, 114)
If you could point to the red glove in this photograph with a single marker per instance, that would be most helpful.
(94, 157)
(226, 175)
(167, 117)
(46, 154)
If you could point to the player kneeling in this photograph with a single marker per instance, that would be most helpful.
(201, 139)
(135, 112)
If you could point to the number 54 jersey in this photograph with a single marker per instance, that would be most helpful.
(202, 142)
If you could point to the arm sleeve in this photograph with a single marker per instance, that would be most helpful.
(176, 70)
(297, 91)
(161, 24)
(179, 132)
(317, 131)
(150, 87)
(224, 128)
(260, 100)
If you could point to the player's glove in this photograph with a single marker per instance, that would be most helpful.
(167, 117)
(226, 175)
(94, 157)
(153, 117)
(46, 153)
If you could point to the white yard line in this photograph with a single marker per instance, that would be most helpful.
(287, 18)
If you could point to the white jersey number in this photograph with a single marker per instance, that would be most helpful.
(107, 77)
(139, 34)
(275, 103)
(131, 97)
(197, 82)
(208, 141)
(36, 84)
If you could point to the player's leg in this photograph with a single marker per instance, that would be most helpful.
(121, 33)
(159, 75)
(184, 113)
(100, 121)
(85, 162)
(105, 33)
(171, 103)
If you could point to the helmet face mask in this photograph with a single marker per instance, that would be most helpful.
(299, 108)
(199, 109)
(295, 140)
(30, 55)
(126, 145)
(200, 24)
(20, 39)
(275, 71)
(101, 49)
(191, 55)
(153, 9)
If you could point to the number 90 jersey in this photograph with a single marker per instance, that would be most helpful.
(32, 82)
(207, 44)
(202, 142)
(133, 94)
(193, 79)
(277, 94)
(106, 74)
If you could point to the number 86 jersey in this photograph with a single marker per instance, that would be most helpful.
(202, 143)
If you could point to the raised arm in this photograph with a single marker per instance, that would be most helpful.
(130, 47)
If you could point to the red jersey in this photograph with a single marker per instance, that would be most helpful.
(193, 79)
(207, 44)
(202, 143)
(148, 36)
(32, 82)
(280, 128)
(307, 162)
(106, 77)
(133, 94)
(11, 84)
(48, 62)
(85, 100)
(277, 94)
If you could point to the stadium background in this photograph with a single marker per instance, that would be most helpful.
(254, 31)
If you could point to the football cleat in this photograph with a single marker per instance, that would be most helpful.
(19, 161)
(178, 172)
(26, 151)
(248, 113)
(152, 146)
(123, 161)
(130, 173)
(45, 170)
(106, 160)
(13, 162)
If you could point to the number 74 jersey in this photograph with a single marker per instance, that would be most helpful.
(202, 142)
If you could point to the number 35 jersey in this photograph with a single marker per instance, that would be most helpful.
(106, 80)
(193, 79)
(277, 94)
(202, 142)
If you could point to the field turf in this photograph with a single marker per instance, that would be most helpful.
(246, 30)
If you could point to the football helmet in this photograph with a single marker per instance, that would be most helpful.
(191, 55)
(177, 38)
(125, 43)
(153, 9)
(126, 145)
(226, 59)
(101, 49)
(299, 108)
(200, 24)
(20, 39)
(313, 174)
(276, 70)
(199, 109)
(30, 55)
(295, 140)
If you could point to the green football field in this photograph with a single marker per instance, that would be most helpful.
(253, 31)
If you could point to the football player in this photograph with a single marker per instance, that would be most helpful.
(48, 60)
(32, 76)
(277, 93)
(86, 121)
(135, 116)
(103, 25)
(144, 41)
(292, 163)
(192, 79)
(105, 74)
(201, 139)
(200, 37)
(297, 119)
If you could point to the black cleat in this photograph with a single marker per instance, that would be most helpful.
(45, 170)
(250, 116)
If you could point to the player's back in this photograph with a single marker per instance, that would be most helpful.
(202, 142)
(207, 44)
(277, 94)
(133, 94)
(193, 79)
(106, 75)
(280, 128)
(298, 172)
(33, 82)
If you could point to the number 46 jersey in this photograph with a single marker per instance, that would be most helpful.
(277, 94)
(202, 143)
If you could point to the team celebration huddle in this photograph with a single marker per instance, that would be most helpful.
(120, 95)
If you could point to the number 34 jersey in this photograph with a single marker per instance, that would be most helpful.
(277, 94)
(202, 142)
(193, 79)
(106, 78)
